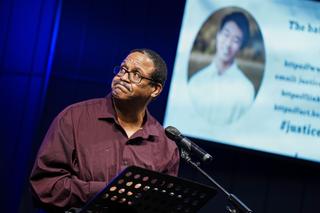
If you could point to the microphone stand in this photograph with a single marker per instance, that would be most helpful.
(237, 205)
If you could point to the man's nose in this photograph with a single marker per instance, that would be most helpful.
(125, 77)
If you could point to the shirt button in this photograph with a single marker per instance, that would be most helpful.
(125, 163)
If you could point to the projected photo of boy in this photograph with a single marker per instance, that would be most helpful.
(225, 66)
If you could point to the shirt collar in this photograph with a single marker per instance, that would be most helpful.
(149, 127)
(107, 110)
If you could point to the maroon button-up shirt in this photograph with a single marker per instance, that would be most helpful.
(85, 148)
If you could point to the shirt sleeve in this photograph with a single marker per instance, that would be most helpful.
(55, 177)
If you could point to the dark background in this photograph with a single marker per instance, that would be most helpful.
(54, 53)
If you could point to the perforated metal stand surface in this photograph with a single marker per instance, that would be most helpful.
(143, 191)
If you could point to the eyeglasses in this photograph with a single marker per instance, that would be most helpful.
(134, 75)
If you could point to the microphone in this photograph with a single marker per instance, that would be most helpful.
(176, 136)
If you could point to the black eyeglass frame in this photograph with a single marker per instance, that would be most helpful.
(121, 71)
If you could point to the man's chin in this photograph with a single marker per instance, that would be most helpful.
(119, 94)
(228, 57)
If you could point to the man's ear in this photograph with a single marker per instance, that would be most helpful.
(157, 89)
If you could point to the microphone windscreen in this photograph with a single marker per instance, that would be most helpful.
(173, 133)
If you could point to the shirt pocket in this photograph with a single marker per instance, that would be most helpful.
(98, 162)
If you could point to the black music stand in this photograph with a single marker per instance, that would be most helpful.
(143, 191)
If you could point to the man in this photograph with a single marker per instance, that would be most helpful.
(220, 92)
(90, 142)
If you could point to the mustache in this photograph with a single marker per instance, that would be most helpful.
(124, 84)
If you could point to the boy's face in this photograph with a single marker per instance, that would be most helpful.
(229, 40)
